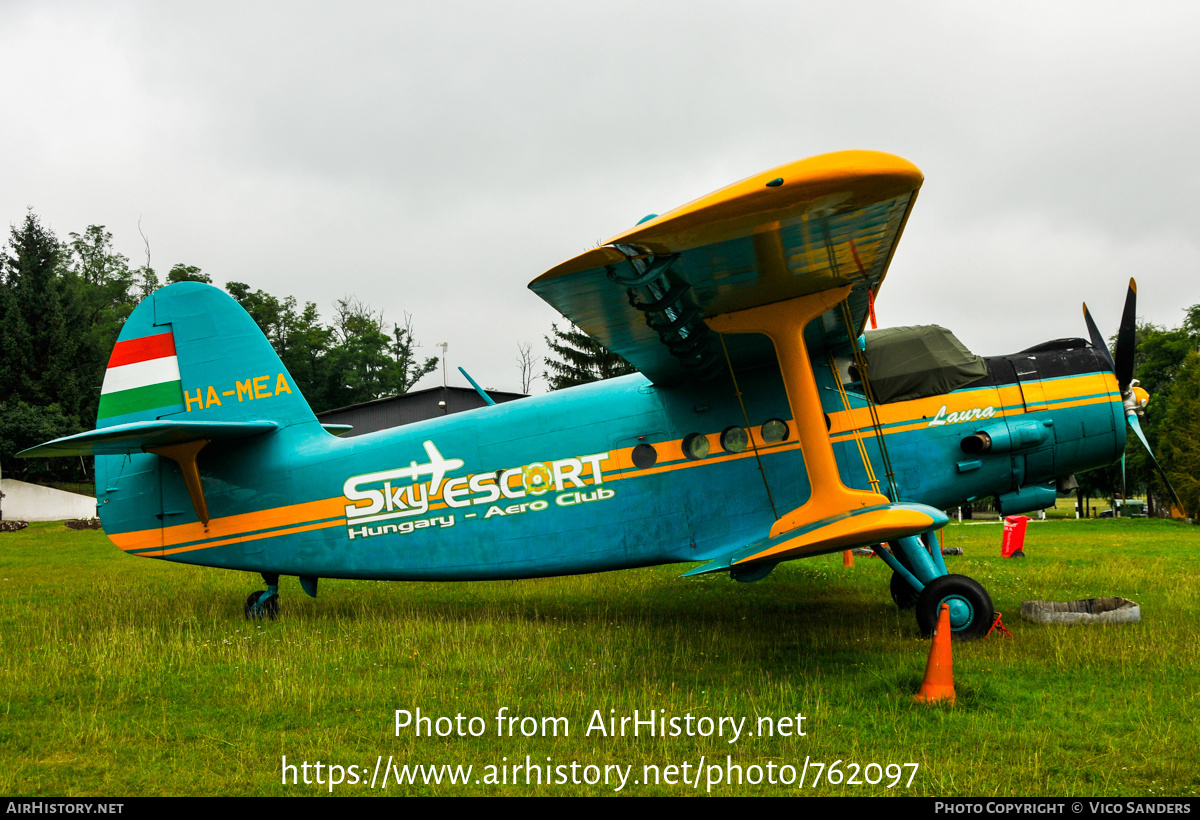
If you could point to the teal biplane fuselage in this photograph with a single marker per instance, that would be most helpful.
(206, 453)
(301, 501)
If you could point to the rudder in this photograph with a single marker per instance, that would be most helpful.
(189, 352)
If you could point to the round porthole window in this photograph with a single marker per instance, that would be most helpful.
(774, 431)
(734, 440)
(644, 456)
(695, 446)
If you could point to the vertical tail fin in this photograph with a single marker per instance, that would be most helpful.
(189, 352)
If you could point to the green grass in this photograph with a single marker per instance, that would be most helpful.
(128, 677)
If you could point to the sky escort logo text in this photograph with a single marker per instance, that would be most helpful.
(387, 496)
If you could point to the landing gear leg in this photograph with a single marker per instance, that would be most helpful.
(264, 604)
(912, 568)
(920, 578)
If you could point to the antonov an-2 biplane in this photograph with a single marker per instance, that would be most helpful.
(763, 426)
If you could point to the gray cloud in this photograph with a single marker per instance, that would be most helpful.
(436, 157)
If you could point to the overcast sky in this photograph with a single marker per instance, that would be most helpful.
(435, 157)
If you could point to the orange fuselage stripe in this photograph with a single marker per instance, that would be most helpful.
(314, 515)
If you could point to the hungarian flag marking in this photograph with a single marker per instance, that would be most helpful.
(142, 375)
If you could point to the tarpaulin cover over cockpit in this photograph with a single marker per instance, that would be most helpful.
(912, 362)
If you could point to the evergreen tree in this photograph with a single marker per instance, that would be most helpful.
(1158, 362)
(41, 323)
(581, 359)
(1160, 358)
(40, 327)
(1180, 450)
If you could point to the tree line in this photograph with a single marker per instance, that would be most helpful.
(1167, 365)
(62, 305)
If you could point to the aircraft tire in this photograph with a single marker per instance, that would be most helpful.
(904, 595)
(965, 590)
(268, 610)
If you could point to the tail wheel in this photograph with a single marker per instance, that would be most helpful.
(971, 612)
(268, 609)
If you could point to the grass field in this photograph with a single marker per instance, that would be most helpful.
(136, 677)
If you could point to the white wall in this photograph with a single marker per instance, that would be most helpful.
(31, 502)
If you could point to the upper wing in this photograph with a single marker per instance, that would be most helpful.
(801, 228)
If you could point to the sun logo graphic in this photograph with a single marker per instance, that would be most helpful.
(536, 478)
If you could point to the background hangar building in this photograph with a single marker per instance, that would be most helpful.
(418, 405)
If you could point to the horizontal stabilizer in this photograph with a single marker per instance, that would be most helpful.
(142, 436)
(870, 525)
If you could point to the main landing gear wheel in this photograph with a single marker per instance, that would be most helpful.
(971, 612)
(268, 609)
(904, 595)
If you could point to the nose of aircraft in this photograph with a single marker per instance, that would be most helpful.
(1136, 399)
(1133, 397)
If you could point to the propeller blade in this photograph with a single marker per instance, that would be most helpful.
(1097, 339)
(1137, 428)
(1125, 341)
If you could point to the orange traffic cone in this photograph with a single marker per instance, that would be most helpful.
(939, 672)
(847, 558)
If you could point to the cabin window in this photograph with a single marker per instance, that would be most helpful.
(734, 439)
(695, 446)
(774, 431)
(644, 456)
